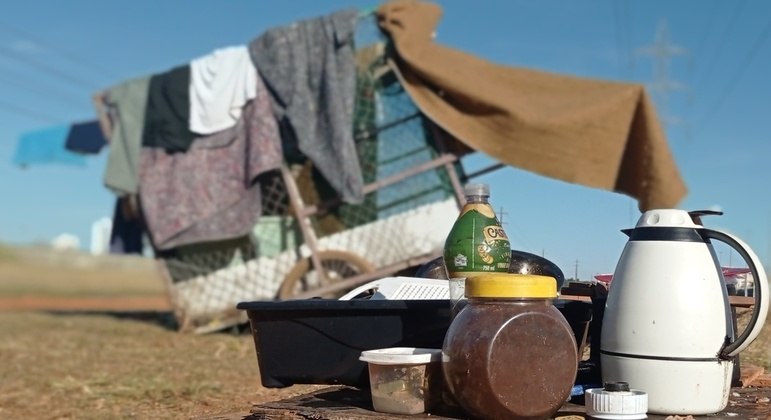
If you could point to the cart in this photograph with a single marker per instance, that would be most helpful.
(308, 243)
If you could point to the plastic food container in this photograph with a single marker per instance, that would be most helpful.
(404, 380)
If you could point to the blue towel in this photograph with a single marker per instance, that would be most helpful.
(85, 138)
(45, 147)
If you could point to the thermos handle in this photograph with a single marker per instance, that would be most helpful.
(760, 309)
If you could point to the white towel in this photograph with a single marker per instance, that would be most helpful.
(221, 83)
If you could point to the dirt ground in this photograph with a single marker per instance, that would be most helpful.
(96, 365)
(97, 340)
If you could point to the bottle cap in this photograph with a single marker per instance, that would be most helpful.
(511, 286)
(616, 402)
(477, 189)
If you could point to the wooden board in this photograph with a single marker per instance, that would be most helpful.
(344, 403)
(763, 381)
(749, 374)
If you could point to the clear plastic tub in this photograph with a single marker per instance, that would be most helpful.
(404, 380)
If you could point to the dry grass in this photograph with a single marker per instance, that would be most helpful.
(92, 365)
(112, 364)
(759, 352)
(81, 366)
(43, 273)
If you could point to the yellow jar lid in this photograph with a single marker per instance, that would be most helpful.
(503, 285)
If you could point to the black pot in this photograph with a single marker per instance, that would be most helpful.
(521, 263)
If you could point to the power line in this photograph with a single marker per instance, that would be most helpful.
(66, 54)
(45, 67)
(512, 230)
(739, 72)
(623, 37)
(707, 29)
(617, 22)
(739, 6)
(661, 52)
(30, 86)
(697, 57)
(575, 275)
(28, 113)
(502, 213)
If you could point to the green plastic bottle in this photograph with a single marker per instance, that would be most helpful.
(476, 244)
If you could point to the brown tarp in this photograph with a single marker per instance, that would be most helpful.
(596, 133)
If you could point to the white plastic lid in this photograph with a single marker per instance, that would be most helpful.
(401, 356)
(666, 218)
(604, 403)
(476, 189)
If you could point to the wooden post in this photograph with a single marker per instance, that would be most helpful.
(298, 207)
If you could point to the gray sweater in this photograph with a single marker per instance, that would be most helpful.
(310, 71)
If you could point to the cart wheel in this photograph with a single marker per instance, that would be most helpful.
(337, 265)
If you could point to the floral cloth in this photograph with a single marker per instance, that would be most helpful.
(209, 192)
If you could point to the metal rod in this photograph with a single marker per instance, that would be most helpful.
(486, 170)
(410, 198)
(366, 134)
(439, 138)
(424, 167)
(393, 179)
(406, 154)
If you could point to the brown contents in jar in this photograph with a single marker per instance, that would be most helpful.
(510, 360)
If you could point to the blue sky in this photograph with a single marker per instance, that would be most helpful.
(54, 55)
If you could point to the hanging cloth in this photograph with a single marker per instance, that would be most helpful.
(310, 70)
(209, 193)
(126, 234)
(85, 138)
(594, 133)
(46, 147)
(167, 116)
(220, 84)
(126, 105)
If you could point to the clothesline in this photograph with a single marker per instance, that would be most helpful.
(595, 133)
(195, 137)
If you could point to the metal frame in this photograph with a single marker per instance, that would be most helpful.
(303, 214)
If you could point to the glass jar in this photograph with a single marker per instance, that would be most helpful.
(510, 354)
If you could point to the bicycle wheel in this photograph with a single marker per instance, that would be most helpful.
(337, 265)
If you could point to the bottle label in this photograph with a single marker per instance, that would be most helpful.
(477, 243)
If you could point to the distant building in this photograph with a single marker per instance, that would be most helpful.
(65, 242)
(100, 236)
(742, 280)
